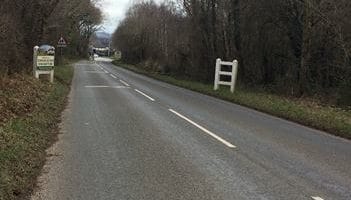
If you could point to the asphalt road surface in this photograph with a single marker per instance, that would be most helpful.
(126, 136)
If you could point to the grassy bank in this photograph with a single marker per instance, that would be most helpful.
(25, 134)
(307, 112)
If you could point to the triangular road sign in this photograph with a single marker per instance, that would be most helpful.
(62, 42)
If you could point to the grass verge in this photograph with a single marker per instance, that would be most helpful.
(307, 112)
(24, 139)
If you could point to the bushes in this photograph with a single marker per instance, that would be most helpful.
(26, 23)
(34, 110)
(296, 48)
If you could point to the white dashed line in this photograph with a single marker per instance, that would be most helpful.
(97, 86)
(124, 83)
(113, 76)
(94, 72)
(317, 198)
(145, 95)
(105, 86)
(103, 69)
(119, 87)
(228, 144)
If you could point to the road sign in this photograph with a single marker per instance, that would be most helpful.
(45, 57)
(45, 62)
(62, 43)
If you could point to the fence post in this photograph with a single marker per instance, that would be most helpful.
(234, 75)
(218, 68)
(35, 54)
(52, 76)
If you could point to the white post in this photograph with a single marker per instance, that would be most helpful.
(35, 54)
(109, 48)
(234, 75)
(218, 68)
(52, 76)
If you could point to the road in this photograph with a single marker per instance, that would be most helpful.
(126, 136)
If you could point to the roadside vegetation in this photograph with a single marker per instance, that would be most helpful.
(306, 111)
(30, 113)
(30, 109)
(294, 56)
(294, 48)
(27, 23)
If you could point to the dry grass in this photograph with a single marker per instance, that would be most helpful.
(28, 128)
(20, 94)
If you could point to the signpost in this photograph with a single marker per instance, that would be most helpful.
(61, 44)
(44, 61)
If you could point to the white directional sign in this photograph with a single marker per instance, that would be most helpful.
(45, 61)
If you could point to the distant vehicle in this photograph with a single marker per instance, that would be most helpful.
(96, 56)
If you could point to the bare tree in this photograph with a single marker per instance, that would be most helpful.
(293, 47)
(25, 23)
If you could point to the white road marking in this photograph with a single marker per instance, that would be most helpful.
(228, 144)
(317, 198)
(97, 86)
(124, 83)
(113, 76)
(105, 86)
(95, 72)
(119, 87)
(105, 70)
(145, 95)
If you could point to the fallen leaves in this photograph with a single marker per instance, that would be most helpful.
(19, 95)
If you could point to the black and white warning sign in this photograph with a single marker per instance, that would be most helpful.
(62, 42)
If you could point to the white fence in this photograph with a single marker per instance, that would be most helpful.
(233, 74)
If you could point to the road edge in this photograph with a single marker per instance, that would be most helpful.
(328, 121)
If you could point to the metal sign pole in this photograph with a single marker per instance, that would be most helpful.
(61, 55)
(61, 44)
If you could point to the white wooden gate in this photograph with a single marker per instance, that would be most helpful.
(233, 74)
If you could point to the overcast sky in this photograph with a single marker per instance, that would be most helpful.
(114, 11)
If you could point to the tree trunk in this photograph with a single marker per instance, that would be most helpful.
(305, 49)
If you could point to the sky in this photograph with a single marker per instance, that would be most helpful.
(114, 12)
